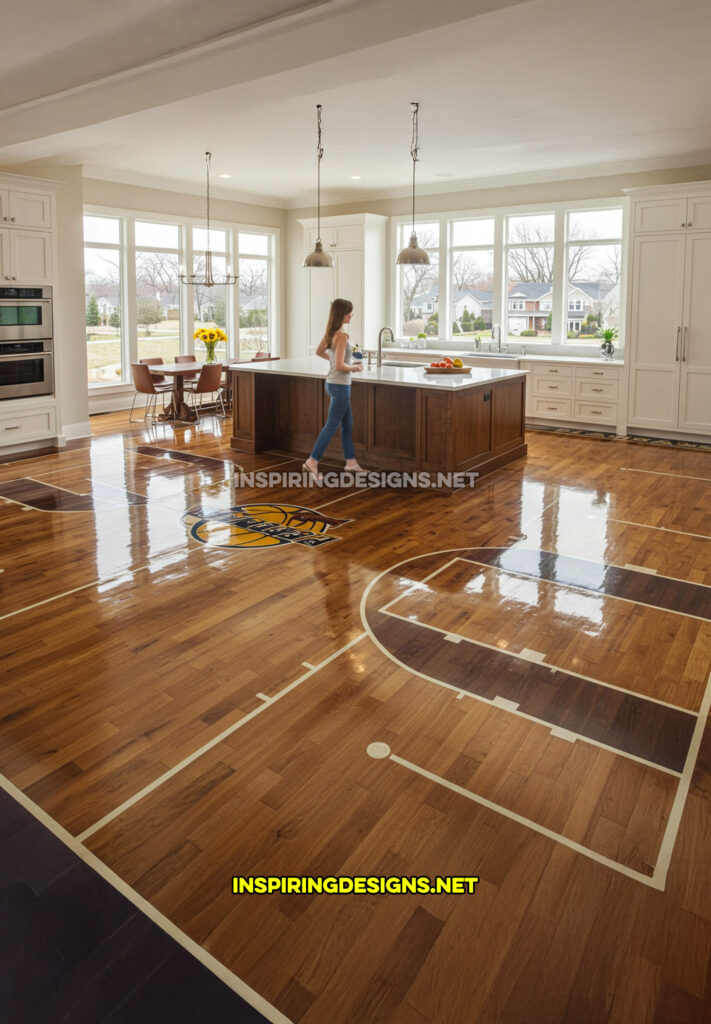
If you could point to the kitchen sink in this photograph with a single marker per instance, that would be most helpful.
(395, 362)
(495, 355)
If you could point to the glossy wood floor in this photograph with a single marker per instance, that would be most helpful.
(533, 654)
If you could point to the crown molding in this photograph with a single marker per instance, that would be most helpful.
(604, 170)
(186, 187)
(27, 182)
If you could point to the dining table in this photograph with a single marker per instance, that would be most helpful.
(179, 411)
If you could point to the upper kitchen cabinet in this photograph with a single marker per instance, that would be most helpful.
(21, 209)
(672, 210)
(356, 244)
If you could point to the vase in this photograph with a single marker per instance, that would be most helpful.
(607, 350)
(210, 347)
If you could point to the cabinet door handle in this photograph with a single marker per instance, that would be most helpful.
(12, 219)
(678, 336)
(597, 373)
(553, 371)
(683, 345)
(552, 387)
(553, 408)
(598, 389)
(13, 428)
(596, 412)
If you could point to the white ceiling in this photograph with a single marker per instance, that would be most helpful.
(519, 88)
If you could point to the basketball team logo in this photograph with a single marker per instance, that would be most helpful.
(261, 526)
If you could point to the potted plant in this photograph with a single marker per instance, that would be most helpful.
(608, 335)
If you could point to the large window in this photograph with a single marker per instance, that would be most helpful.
(103, 299)
(418, 286)
(548, 276)
(137, 307)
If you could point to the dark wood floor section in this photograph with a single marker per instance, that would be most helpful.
(74, 950)
(623, 721)
(645, 588)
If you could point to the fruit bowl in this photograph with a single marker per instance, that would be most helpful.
(447, 365)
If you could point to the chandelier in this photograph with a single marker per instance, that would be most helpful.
(412, 254)
(318, 258)
(207, 279)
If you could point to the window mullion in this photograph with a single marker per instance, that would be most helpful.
(130, 340)
(559, 317)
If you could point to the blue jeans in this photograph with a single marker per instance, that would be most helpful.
(339, 415)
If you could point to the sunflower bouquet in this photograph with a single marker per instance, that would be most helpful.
(210, 336)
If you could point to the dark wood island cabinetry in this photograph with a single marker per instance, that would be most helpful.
(404, 419)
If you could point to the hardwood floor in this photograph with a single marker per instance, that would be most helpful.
(534, 655)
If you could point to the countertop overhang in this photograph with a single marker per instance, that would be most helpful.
(398, 375)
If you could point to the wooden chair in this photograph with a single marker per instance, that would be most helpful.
(208, 383)
(144, 384)
(187, 359)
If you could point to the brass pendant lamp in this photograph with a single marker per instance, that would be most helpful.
(413, 254)
(207, 279)
(318, 258)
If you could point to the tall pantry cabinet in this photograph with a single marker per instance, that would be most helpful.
(669, 328)
(356, 243)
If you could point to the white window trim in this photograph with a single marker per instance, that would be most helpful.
(559, 344)
(127, 247)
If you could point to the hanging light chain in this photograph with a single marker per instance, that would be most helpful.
(414, 153)
(208, 158)
(319, 153)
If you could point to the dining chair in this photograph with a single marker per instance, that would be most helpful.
(187, 359)
(144, 385)
(208, 383)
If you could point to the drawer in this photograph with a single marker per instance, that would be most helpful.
(29, 426)
(597, 372)
(596, 412)
(556, 387)
(546, 370)
(551, 408)
(597, 390)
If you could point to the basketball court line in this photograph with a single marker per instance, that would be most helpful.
(655, 472)
(557, 837)
(665, 529)
(659, 877)
(513, 707)
(206, 747)
(213, 965)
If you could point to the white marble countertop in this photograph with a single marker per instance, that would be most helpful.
(401, 375)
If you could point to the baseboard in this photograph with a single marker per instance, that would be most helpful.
(73, 431)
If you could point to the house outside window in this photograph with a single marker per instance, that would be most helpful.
(552, 273)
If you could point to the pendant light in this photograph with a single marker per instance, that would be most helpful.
(412, 254)
(318, 258)
(207, 280)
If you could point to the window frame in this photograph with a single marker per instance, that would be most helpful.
(128, 250)
(558, 343)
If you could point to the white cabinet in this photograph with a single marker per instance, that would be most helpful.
(25, 257)
(586, 393)
(670, 328)
(26, 422)
(356, 244)
(672, 213)
(25, 209)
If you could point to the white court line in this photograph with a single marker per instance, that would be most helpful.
(133, 800)
(548, 665)
(654, 472)
(165, 924)
(672, 830)
(665, 529)
(127, 573)
(263, 696)
(416, 584)
(307, 664)
(652, 882)
(360, 490)
(586, 590)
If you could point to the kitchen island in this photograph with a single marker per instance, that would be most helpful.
(404, 419)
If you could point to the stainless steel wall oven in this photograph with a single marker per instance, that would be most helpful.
(26, 346)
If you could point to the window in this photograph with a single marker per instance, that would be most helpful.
(254, 264)
(472, 276)
(103, 300)
(594, 262)
(158, 290)
(419, 285)
(137, 307)
(551, 273)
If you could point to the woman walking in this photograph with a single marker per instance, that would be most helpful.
(336, 347)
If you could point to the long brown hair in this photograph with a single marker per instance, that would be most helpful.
(340, 308)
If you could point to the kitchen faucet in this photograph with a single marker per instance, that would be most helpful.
(387, 331)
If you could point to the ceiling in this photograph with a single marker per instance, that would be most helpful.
(506, 88)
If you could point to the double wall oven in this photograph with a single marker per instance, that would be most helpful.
(26, 349)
